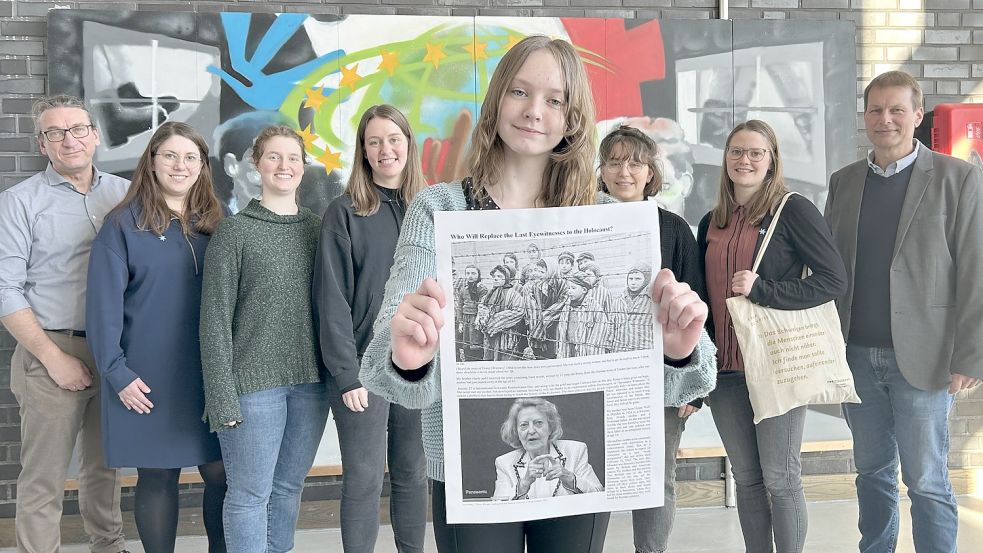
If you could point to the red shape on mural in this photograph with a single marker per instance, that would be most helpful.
(618, 61)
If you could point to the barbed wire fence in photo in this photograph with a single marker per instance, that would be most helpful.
(553, 297)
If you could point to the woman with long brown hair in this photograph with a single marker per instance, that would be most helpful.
(142, 311)
(532, 146)
(355, 253)
(765, 456)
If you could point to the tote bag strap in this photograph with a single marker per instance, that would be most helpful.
(771, 230)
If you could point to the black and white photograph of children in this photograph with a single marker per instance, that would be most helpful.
(552, 298)
(532, 447)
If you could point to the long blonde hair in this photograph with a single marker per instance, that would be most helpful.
(365, 199)
(569, 176)
(202, 210)
(771, 192)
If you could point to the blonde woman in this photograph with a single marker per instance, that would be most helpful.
(765, 456)
(358, 238)
(532, 146)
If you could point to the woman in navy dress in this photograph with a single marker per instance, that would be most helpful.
(142, 306)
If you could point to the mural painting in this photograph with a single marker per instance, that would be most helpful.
(684, 82)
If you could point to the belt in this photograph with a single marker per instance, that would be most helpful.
(68, 332)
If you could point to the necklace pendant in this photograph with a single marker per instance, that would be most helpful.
(161, 237)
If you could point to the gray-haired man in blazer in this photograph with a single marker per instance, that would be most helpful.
(909, 225)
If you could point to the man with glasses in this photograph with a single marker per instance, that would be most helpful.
(47, 224)
(909, 224)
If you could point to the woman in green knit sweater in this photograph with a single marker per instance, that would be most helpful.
(263, 390)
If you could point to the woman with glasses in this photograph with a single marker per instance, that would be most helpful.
(630, 172)
(263, 389)
(142, 311)
(765, 457)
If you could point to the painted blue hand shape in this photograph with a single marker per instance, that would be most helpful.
(260, 90)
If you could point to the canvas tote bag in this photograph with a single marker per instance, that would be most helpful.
(791, 357)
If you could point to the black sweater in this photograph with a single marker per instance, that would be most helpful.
(681, 255)
(354, 258)
(680, 252)
(801, 238)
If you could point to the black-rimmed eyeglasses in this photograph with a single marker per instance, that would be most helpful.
(57, 135)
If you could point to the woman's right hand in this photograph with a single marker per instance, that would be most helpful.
(537, 468)
(134, 397)
(534, 470)
(415, 327)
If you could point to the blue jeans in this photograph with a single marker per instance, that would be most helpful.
(897, 421)
(767, 468)
(652, 527)
(364, 445)
(266, 459)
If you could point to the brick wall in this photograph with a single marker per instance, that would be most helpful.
(938, 41)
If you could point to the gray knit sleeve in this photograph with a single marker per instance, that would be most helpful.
(694, 380)
(414, 261)
(219, 295)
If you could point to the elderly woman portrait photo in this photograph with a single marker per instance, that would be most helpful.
(541, 465)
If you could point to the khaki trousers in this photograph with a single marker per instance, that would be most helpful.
(52, 420)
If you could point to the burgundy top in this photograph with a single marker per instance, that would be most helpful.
(729, 250)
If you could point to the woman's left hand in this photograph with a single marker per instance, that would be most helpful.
(687, 410)
(682, 315)
(567, 478)
(742, 282)
(134, 397)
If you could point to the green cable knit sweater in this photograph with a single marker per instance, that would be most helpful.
(415, 260)
(257, 327)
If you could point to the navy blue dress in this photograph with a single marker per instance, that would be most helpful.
(142, 310)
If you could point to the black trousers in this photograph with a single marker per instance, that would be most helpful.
(573, 534)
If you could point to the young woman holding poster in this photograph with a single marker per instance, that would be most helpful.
(532, 146)
(358, 237)
(765, 457)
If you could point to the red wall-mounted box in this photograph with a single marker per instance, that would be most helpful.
(957, 130)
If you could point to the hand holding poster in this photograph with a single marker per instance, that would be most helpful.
(551, 361)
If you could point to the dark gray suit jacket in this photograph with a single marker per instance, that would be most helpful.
(937, 268)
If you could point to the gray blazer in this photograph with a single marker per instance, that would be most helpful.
(936, 271)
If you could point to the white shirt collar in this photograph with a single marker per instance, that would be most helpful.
(897, 166)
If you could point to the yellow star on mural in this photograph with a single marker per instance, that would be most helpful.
(434, 54)
(330, 160)
(308, 137)
(349, 76)
(477, 50)
(315, 97)
(389, 62)
(513, 40)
